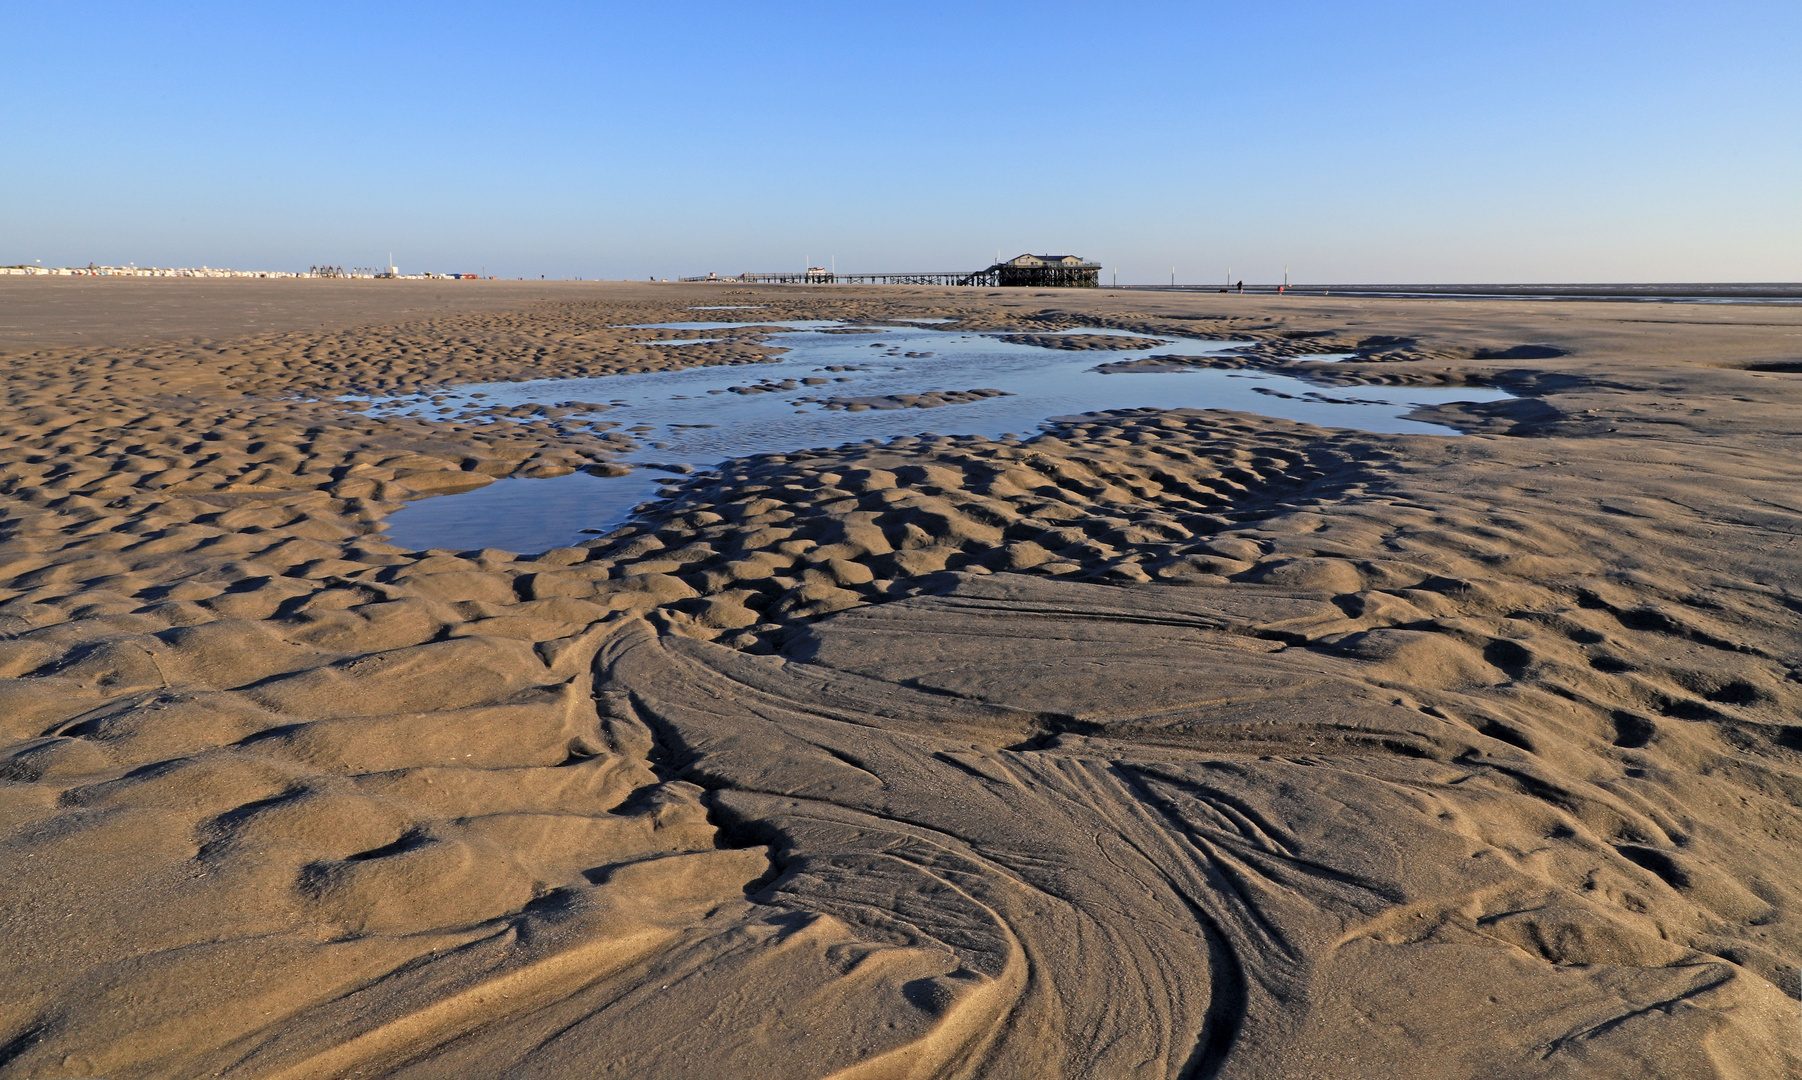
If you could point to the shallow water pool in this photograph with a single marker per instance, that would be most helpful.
(839, 387)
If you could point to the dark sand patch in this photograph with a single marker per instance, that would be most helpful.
(930, 399)
(1083, 342)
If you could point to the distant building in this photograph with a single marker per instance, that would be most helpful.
(1047, 270)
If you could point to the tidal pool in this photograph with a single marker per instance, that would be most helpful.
(833, 388)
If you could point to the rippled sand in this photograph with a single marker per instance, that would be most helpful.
(1161, 744)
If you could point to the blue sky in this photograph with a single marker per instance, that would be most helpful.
(1368, 142)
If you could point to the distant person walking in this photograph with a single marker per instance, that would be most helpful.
(1241, 284)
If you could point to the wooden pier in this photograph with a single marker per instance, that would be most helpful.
(1034, 271)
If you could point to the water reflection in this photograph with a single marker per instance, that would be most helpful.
(835, 388)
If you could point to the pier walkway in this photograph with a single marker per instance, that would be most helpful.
(827, 277)
(1040, 271)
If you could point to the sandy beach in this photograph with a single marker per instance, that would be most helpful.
(1159, 743)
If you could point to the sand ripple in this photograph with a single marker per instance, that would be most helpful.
(1164, 744)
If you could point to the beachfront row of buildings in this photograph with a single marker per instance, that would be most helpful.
(91, 270)
(142, 271)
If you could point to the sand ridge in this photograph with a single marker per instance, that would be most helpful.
(1160, 744)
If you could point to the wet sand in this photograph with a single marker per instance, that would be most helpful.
(1162, 744)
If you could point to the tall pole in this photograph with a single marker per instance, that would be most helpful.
(1173, 277)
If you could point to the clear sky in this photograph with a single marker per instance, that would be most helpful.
(1444, 141)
